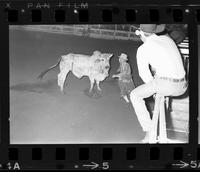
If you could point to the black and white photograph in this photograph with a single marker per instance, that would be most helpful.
(199, 83)
(99, 84)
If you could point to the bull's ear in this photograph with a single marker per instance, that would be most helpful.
(97, 61)
(110, 55)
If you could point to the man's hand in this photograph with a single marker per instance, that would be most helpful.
(115, 76)
(154, 96)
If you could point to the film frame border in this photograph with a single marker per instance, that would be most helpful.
(190, 152)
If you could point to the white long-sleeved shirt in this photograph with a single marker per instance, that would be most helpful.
(163, 55)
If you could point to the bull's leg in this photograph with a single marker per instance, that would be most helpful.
(98, 87)
(91, 84)
(61, 78)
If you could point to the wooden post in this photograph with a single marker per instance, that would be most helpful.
(129, 32)
(74, 28)
(162, 122)
(153, 132)
(115, 30)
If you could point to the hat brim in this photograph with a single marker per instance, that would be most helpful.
(123, 58)
(159, 28)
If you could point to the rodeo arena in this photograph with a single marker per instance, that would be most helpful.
(65, 89)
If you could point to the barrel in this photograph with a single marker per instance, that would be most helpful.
(178, 119)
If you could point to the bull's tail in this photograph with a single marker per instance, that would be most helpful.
(47, 70)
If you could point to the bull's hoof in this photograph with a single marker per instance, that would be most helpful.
(93, 94)
(88, 93)
(99, 90)
(97, 95)
(63, 92)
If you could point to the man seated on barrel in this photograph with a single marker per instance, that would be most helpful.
(163, 55)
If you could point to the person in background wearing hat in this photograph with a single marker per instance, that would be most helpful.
(163, 55)
(124, 77)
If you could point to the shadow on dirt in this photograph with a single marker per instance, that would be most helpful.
(36, 87)
(51, 87)
(94, 94)
(112, 81)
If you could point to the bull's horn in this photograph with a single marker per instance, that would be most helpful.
(110, 55)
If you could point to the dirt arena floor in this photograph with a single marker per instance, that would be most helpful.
(41, 114)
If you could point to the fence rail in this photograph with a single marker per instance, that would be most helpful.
(83, 30)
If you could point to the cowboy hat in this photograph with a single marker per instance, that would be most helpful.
(123, 56)
(152, 28)
(96, 52)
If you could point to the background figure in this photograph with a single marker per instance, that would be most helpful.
(125, 81)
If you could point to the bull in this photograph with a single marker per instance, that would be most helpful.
(95, 67)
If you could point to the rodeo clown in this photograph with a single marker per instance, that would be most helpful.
(125, 81)
(163, 55)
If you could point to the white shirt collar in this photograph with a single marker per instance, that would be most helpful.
(152, 37)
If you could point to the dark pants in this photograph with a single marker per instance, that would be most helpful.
(126, 87)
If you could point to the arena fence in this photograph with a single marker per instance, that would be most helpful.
(184, 49)
(111, 32)
(94, 31)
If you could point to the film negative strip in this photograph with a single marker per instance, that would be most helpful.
(99, 85)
